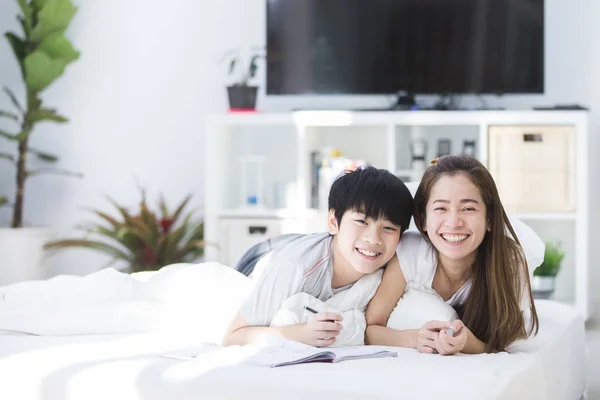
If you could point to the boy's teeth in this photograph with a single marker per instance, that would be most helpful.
(455, 238)
(368, 253)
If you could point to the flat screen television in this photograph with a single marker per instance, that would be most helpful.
(415, 46)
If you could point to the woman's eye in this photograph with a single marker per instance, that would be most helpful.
(468, 209)
(439, 209)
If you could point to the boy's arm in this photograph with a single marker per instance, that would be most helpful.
(279, 281)
(381, 306)
(318, 332)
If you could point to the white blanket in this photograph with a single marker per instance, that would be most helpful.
(351, 304)
(199, 299)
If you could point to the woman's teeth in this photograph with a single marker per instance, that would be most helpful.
(454, 238)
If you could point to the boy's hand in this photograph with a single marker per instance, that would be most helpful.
(320, 331)
(447, 345)
(428, 335)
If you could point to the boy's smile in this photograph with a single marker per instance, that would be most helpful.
(361, 245)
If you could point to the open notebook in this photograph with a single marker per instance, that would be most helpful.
(274, 351)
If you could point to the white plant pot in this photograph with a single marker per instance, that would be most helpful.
(543, 286)
(22, 254)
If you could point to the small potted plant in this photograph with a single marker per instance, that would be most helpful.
(143, 240)
(544, 276)
(241, 94)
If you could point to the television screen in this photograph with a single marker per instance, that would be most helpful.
(416, 46)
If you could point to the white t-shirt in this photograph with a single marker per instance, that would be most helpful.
(303, 265)
(418, 261)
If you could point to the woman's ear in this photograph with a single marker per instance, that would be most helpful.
(332, 224)
(489, 226)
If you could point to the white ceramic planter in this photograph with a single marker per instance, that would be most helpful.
(22, 253)
(543, 286)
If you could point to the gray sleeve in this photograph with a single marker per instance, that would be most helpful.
(278, 281)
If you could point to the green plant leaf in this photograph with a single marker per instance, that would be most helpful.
(3, 201)
(162, 204)
(53, 171)
(27, 18)
(113, 222)
(7, 156)
(175, 238)
(13, 99)
(19, 48)
(7, 135)
(10, 115)
(179, 210)
(58, 47)
(149, 220)
(41, 70)
(42, 155)
(22, 135)
(111, 250)
(39, 4)
(46, 157)
(45, 114)
(54, 16)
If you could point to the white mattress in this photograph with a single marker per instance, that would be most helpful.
(550, 366)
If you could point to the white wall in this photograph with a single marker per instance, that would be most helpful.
(149, 73)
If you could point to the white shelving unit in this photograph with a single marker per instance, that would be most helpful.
(285, 140)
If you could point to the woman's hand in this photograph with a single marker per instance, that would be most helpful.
(321, 330)
(428, 336)
(448, 345)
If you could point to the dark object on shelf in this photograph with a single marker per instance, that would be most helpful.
(468, 148)
(564, 107)
(242, 97)
(444, 147)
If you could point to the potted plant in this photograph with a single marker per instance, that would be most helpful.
(43, 53)
(242, 96)
(544, 276)
(143, 240)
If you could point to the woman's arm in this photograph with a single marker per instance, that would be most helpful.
(388, 293)
(463, 341)
(473, 345)
(380, 307)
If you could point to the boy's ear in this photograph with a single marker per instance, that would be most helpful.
(332, 224)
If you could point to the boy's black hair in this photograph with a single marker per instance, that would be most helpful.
(376, 192)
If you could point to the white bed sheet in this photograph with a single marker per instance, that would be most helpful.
(550, 366)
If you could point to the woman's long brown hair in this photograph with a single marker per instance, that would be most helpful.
(499, 275)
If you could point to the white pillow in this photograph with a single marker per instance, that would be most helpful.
(532, 244)
(417, 307)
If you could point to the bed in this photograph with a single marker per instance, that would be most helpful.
(45, 361)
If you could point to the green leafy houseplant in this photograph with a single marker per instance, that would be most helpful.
(144, 240)
(43, 53)
(553, 256)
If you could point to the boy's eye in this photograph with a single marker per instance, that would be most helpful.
(361, 221)
(390, 228)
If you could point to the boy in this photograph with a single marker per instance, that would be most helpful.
(368, 210)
